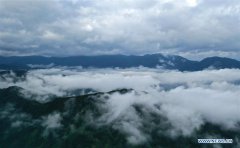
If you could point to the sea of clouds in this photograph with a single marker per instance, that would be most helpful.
(186, 99)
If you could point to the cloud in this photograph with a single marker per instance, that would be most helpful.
(61, 27)
(9, 112)
(51, 122)
(58, 80)
(48, 35)
(182, 102)
(185, 109)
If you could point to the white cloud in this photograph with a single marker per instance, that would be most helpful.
(192, 3)
(186, 109)
(51, 122)
(186, 99)
(48, 35)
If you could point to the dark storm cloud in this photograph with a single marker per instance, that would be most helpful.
(70, 27)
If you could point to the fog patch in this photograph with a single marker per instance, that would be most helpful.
(65, 82)
(51, 123)
(16, 117)
(41, 65)
(185, 109)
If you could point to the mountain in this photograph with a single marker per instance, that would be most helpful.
(75, 122)
(219, 63)
(120, 61)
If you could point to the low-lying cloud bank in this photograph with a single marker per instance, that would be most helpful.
(59, 81)
(183, 100)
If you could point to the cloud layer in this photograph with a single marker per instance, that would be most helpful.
(186, 99)
(89, 27)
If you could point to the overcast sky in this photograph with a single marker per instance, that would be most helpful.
(191, 28)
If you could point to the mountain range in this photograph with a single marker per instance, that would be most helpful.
(120, 61)
(23, 124)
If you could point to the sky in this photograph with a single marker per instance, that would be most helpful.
(191, 28)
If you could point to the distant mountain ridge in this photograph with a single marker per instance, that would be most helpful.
(121, 61)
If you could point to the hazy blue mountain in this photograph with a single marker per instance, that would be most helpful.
(219, 63)
(121, 61)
